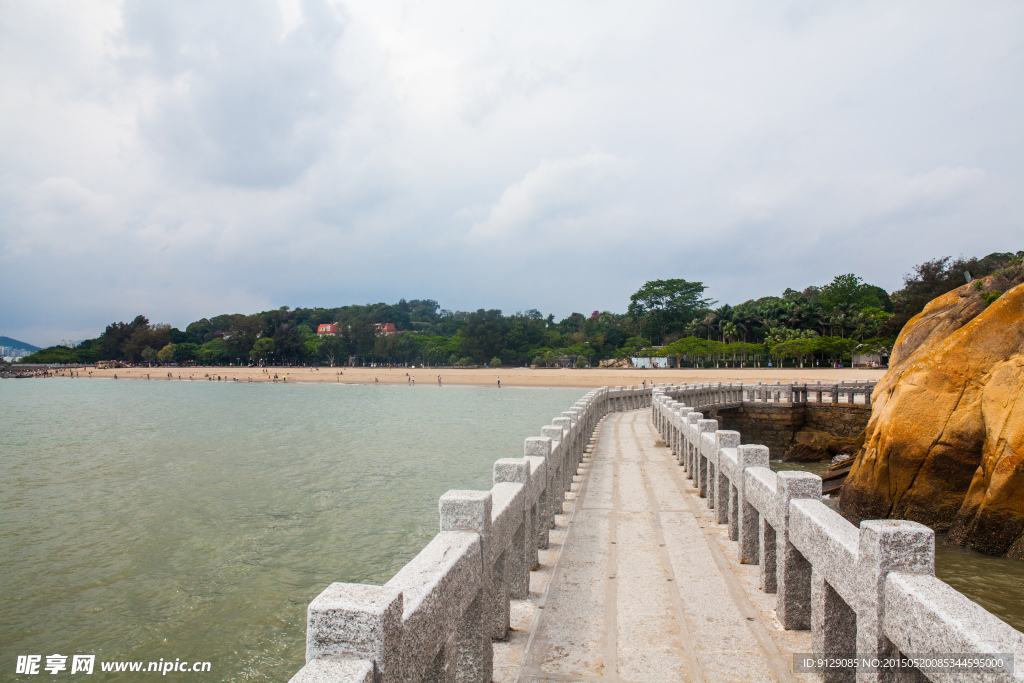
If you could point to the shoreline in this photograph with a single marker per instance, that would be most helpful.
(511, 377)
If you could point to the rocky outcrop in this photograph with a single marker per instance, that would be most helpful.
(945, 442)
(811, 445)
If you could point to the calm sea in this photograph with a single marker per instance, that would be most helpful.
(196, 520)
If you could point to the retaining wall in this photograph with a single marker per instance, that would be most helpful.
(868, 592)
(839, 420)
(772, 414)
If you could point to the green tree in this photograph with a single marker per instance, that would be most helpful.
(484, 333)
(668, 304)
(332, 349)
(166, 354)
(261, 349)
(795, 349)
(185, 352)
(214, 352)
(112, 341)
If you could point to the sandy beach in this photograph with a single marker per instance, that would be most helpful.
(511, 377)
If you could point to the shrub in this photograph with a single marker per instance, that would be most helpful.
(495, 362)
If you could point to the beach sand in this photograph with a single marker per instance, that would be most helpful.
(511, 377)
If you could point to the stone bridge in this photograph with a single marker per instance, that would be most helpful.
(635, 540)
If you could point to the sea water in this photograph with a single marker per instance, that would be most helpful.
(142, 520)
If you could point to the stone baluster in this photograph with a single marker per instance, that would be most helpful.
(517, 471)
(357, 622)
(743, 515)
(722, 499)
(704, 427)
(885, 545)
(793, 581)
(472, 657)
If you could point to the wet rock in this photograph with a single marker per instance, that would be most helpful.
(810, 445)
(945, 442)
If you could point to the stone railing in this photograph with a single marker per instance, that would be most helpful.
(629, 398)
(869, 592)
(718, 395)
(436, 618)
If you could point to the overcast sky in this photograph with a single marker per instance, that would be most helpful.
(189, 158)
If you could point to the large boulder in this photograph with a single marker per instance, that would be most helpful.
(945, 442)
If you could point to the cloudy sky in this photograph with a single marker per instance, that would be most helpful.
(189, 158)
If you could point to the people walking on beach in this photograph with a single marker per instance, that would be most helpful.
(499, 383)
(414, 380)
(439, 380)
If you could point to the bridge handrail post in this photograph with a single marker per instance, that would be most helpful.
(358, 623)
(704, 446)
(886, 545)
(472, 659)
(793, 579)
(747, 516)
(724, 438)
(517, 570)
(537, 451)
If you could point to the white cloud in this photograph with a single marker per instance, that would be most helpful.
(557, 200)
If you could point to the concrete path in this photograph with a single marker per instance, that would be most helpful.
(640, 584)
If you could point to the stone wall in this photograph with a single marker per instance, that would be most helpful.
(776, 426)
(771, 426)
(840, 420)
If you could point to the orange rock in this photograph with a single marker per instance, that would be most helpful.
(945, 443)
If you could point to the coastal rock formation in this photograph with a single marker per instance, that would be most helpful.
(945, 442)
(811, 445)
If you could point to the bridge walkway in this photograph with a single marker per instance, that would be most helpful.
(640, 584)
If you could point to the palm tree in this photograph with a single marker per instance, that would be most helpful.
(709, 321)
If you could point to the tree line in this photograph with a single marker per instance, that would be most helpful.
(665, 317)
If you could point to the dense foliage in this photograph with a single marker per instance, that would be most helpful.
(665, 318)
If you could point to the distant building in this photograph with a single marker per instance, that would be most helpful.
(651, 362)
(327, 328)
(869, 360)
(384, 328)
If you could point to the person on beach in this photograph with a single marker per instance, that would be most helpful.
(499, 383)
(414, 380)
(439, 380)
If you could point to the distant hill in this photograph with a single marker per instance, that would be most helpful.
(15, 344)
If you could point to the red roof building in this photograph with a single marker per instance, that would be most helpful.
(327, 329)
(384, 328)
